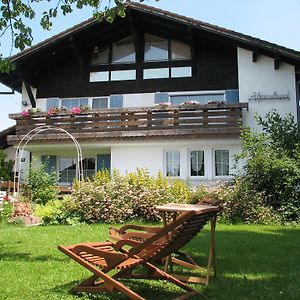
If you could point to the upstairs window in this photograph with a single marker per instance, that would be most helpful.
(180, 51)
(160, 49)
(70, 103)
(156, 48)
(123, 51)
(100, 57)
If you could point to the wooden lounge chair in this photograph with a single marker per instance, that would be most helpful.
(101, 258)
(141, 233)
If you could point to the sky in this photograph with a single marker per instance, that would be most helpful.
(275, 21)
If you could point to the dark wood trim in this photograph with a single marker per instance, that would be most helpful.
(254, 55)
(276, 62)
(78, 52)
(30, 94)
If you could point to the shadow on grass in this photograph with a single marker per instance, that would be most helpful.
(146, 288)
(23, 256)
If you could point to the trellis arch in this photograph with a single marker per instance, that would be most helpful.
(27, 138)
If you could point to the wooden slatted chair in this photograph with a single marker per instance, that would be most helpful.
(102, 258)
(176, 242)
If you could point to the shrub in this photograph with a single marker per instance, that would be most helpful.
(272, 169)
(56, 212)
(6, 210)
(124, 197)
(41, 186)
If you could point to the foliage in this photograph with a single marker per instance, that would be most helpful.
(41, 186)
(6, 167)
(272, 169)
(16, 14)
(56, 212)
(6, 210)
(122, 197)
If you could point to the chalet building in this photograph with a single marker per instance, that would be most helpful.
(164, 92)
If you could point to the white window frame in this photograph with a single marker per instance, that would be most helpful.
(189, 164)
(195, 93)
(214, 163)
(165, 163)
(90, 101)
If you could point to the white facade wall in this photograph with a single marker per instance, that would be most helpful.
(261, 77)
(151, 155)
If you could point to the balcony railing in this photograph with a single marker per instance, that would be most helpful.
(183, 121)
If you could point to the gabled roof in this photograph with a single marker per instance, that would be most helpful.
(221, 31)
(58, 45)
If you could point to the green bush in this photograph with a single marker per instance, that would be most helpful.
(56, 212)
(42, 187)
(6, 210)
(123, 197)
(272, 168)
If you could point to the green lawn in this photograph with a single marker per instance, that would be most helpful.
(253, 262)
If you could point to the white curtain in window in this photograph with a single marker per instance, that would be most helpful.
(156, 48)
(180, 50)
(197, 160)
(123, 51)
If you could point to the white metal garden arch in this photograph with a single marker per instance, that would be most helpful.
(27, 138)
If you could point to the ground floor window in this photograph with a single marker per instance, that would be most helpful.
(197, 163)
(221, 162)
(68, 167)
(173, 163)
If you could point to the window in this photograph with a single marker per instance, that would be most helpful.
(100, 57)
(123, 51)
(201, 98)
(221, 162)
(181, 72)
(99, 103)
(173, 163)
(123, 75)
(156, 73)
(68, 167)
(67, 170)
(197, 163)
(52, 102)
(99, 76)
(156, 48)
(180, 50)
(70, 103)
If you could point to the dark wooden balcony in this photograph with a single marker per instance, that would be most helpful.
(185, 121)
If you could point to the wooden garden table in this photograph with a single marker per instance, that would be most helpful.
(176, 208)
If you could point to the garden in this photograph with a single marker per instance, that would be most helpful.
(256, 239)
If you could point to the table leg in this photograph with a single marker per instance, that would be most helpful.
(212, 256)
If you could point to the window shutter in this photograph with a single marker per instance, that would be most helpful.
(52, 102)
(161, 97)
(103, 162)
(116, 101)
(49, 161)
(232, 96)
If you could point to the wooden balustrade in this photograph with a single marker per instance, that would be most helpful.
(214, 118)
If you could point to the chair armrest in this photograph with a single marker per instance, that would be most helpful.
(124, 242)
(107, 255)
(152, 229)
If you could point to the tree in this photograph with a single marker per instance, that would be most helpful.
(16, 13)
